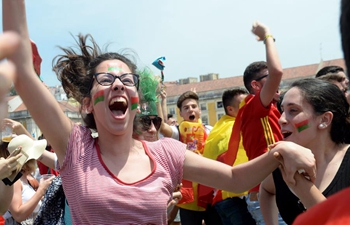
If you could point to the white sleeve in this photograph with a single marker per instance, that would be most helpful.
(175, 135)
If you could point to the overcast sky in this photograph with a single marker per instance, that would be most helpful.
(196, 36)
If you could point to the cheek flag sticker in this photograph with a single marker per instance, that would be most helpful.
(302, 125)
(134, 102)
(99, 97)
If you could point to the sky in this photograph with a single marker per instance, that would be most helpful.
(197, 37)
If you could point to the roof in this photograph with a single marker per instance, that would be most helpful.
(237, 81)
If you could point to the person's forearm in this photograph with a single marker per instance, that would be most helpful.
(46, 112)
(14, 19)
(221, 176)
(22, 130)
(164, 110)
(272, 59)
(307, 192)
(268, 207)
(259, 168)
(6, 193)
(48, 159)
(27, 208)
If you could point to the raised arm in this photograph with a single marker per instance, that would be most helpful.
(166, 130)
(16, 127)
(41, 104)
(273, 63)
(235, 179)
(162, 110)
(8, 44)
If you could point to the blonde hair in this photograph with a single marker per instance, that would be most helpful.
(29, 166)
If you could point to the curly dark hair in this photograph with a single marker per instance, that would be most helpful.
(76, 67)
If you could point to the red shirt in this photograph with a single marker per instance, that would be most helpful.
(333, 211)
(258, 126)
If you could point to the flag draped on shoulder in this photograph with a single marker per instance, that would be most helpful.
(230, 155)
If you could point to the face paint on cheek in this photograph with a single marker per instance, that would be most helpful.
(113, 67)
(303, 125)
(99, 97)
(134, 102)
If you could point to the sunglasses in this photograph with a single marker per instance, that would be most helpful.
(107, 79)
(146, 122)
(262, 77)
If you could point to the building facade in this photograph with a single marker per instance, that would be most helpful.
(18, 111)
(210, 89)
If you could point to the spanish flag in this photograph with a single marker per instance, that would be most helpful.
(229, 157)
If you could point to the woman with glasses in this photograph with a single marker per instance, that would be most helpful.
(115, 179)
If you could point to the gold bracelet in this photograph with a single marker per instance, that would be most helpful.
(269, 36)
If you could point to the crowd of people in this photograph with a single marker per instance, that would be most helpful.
(273, 158)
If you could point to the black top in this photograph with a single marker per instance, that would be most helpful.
(290, 206)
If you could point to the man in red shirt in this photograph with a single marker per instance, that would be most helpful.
(257, 119)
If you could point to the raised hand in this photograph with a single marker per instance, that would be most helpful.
(260, 30)
(8, 166)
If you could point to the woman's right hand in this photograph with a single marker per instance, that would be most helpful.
(44, 184)
(8, 166)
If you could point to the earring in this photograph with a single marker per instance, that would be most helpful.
(322, 125)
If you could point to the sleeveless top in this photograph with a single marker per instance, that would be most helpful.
(290, 206)
(27, 194)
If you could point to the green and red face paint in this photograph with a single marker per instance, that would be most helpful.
(303, 125)
(134, 102)
(99, 97)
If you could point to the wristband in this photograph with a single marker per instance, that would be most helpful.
(269, 36)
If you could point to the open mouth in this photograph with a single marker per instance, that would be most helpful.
(118, 106)
(286, 134)
(192, 117)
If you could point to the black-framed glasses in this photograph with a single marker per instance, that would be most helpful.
(146, 122)
(107, 79)
(262, 77)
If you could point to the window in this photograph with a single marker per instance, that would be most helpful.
(205, 120)
(219, 105)
(203, 106)
(172, 110)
